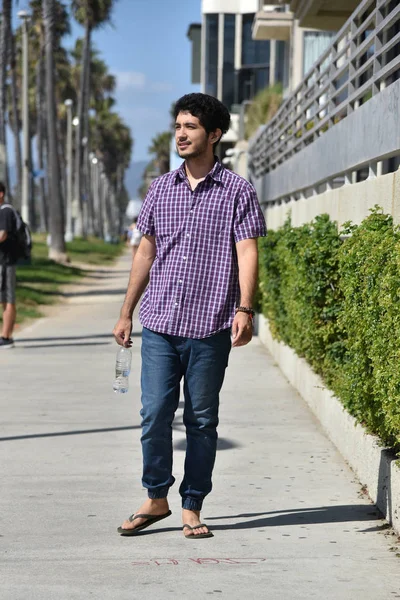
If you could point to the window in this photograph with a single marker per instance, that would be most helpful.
(315, 44)
(281, 60)
(249, 81)
(229, 60)
(253, 52)
(211, 58)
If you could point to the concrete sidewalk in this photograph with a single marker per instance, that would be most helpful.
(289, 519)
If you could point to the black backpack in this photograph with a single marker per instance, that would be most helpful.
(22, 238)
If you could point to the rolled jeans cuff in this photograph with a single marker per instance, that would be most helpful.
(158, 493)
(190, 504)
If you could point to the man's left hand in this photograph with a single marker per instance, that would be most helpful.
(242, 329)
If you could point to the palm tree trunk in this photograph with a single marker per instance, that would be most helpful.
(80, 222)
(40, 128)
(86, 169)
(5, 29)
(61, 144)
(15, 117)
(118, 192)
(32, 189)
(57, 245)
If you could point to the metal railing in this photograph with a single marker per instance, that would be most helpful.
(363, 59)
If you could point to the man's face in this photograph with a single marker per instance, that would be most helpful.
(191, 138)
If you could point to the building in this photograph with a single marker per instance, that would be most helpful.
(233, 65)
(322, 14)
(194, 35)
(304, 45)
(334, 145)
(294, 47)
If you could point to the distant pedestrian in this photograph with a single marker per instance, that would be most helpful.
(134, 237)
(8, 228)
(198, 259)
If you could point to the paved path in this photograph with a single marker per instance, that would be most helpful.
(289, 519)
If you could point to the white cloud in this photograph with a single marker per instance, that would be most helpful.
(131, 79)
(159, 86)
(128, 80)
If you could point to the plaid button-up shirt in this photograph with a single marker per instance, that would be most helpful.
(194, 284)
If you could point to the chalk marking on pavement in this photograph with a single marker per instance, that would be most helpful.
(198, 561)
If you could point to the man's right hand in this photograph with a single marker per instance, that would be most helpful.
(122, 332)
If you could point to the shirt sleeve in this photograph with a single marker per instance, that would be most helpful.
(7, 220)
(249, 220)
(145, 222)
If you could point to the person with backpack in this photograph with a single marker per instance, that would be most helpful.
(8, 259)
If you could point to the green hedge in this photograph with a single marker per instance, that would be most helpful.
(337, 304)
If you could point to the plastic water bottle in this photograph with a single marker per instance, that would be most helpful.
(122, 370)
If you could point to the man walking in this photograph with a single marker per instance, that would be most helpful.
(198, 259)
(7, 269)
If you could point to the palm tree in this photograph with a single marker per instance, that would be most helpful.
(38, 118)
(38, 95)
(264, 106)
(5, 30)
(91, 14)
(101, 86)
(148, 176)
(112, 140)
(57, 246)
(160, 146)
(15, 115)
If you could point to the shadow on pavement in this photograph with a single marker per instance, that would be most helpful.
(222, 444)
(112, 272)
(110, 275)
(64, 433)
(63, 345)
(310, 516)
(303, 516)
(152, 530)
(74, 337)
(98, 292)
(94, 292)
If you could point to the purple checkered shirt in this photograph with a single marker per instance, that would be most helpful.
(194, 284)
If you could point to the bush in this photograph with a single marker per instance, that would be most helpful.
(369, 385)
(300, 292)
(337, 304)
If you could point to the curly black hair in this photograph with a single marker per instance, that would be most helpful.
(211, 113)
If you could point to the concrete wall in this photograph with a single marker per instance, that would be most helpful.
(347, 203)
(370, 133)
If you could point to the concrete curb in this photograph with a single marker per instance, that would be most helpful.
(374, 465)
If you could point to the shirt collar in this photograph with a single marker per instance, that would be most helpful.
(215, 173)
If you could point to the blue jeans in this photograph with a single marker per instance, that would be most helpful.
(202, 363)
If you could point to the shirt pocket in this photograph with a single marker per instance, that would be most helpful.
(213, 220)
(167, 224)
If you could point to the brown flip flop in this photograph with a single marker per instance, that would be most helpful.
(200, 535)
(150, 520)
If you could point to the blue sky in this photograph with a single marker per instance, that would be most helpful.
(147, 49)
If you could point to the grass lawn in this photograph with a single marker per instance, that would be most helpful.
(39, 283)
